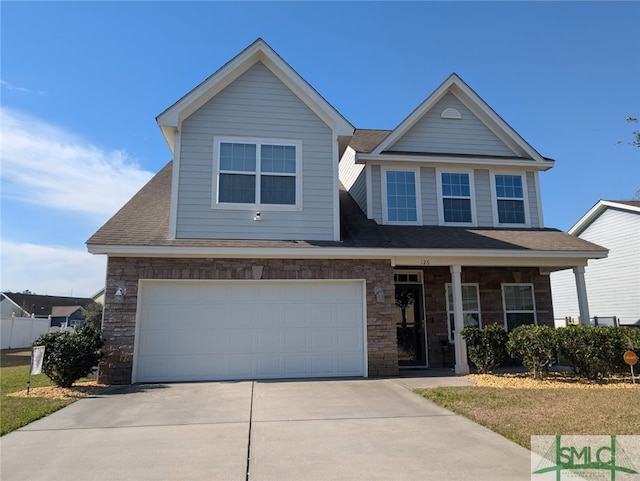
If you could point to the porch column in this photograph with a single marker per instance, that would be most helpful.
(462, 366)
(581, 287)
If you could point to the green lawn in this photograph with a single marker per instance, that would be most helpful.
(517, 414)
(16, 412)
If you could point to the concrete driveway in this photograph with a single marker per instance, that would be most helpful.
(357, 429)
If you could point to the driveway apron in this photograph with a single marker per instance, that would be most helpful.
(356, 429)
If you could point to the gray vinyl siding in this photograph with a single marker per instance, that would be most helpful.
(429, 195)
(353, 178)
(613, 284)
(451, 136)
(482, 185)
(376, 193)
(257, 104)
(534, 211)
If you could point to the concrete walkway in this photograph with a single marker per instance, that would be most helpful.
(360, 429)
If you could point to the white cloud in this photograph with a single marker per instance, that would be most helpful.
(17, 88)
(54, 271)
(45, 165)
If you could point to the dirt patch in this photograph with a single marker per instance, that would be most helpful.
(554, 380)
(15, 357)
(77, 391)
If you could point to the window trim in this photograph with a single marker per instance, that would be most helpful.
(383, 182)
(520, 311)
(441, 197)
(494, 198)
(258, 141)
(449, 286)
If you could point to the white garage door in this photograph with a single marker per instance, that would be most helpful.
(216, 330)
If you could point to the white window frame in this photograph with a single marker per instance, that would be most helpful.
(522, 311)
(258, 142)
(385, 210)
(441, 197)
(416, 273)
(494, 199)
(447, 290)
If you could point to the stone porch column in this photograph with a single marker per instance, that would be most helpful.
(462, 365)
(583, 302)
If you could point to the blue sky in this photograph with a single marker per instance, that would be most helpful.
(82, 83)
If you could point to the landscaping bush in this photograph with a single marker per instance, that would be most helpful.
(69, 356)
(486, 347)
(535, 346)
(596, 352)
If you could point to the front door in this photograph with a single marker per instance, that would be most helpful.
(408, 317)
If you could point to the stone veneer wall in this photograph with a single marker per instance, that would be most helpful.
(489, 280)
(120, 319)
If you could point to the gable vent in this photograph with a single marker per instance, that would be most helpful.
(450, 114)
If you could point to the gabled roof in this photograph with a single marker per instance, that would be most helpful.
(258, 51)
(64, 311)
(42, 306)
(631, 206)
(455, 85)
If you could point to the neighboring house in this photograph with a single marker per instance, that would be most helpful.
(10, 308)
(98, 296)
(613, 284)
(282, 242)
(61, 309)
(67, 316)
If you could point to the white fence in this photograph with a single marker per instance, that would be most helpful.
(17, 332)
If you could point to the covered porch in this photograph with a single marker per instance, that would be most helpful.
(436, 297)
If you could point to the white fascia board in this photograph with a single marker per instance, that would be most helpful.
(308, 94)
(415, 257)
(479, 107)
(258, 51)
(6, 296)
(595, 212)
(435, 159)
(414, 116)
(493, 121)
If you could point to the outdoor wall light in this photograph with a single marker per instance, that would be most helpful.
(119, 295)
(379, 293)
(257, 217)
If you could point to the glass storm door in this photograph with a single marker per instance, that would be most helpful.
(408, 318)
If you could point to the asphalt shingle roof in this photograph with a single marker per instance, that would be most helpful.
(144, 221)
(42, 306)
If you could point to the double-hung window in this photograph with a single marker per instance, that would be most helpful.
(470, 307)
(402, 200)
(519, 305)
(510, 199)
(456, 197)
(258, 173)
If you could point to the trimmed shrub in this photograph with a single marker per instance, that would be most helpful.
(535, 346)
(596, 352)
(69, 356)
(486, 347)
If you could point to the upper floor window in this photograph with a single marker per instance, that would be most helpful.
(258, 173)
(402, 205)
(519, 305)
(510, 199)
(456, 197)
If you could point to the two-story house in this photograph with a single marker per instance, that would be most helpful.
(282, 242)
